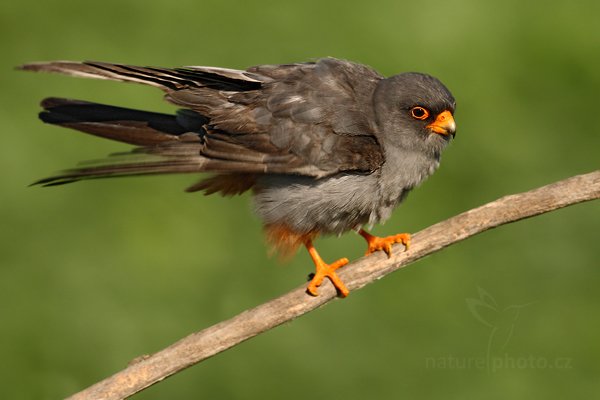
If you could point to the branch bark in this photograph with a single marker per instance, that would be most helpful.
(199, 346)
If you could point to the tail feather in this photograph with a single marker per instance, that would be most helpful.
(165, 166)
(164, 78)
(161, 164)
(169, 143)
(142, 128)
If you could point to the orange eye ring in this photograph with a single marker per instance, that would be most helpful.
(419, 113)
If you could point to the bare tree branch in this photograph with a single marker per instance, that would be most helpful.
(204, 344)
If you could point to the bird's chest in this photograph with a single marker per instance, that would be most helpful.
(342, 202)
(398, 176)
(330, 205)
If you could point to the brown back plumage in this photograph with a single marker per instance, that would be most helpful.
(312, 119)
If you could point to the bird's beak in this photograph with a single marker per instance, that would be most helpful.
(444, 124)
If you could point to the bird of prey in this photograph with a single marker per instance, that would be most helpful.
(325, 147)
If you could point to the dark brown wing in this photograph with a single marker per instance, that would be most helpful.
(169, 144)
(320, 112)
(310, 119)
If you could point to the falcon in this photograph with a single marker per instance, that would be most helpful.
(325, 147)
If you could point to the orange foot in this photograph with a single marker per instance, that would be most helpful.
(378, 243)
(325, 270)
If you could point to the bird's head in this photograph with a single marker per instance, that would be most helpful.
(414, 110)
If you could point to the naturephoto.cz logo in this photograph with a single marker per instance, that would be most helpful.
(496, 363)
(501, 322)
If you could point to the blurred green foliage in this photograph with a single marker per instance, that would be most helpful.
(97, 273)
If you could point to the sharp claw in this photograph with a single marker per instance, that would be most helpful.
(388, 249)
(312, 290)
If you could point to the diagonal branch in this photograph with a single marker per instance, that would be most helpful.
(224, 335)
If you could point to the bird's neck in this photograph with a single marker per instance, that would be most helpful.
(402, 170)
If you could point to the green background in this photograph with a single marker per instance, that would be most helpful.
(97, 273)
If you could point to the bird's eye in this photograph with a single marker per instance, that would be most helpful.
(419, 113)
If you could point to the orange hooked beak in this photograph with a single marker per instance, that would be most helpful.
(444, 124)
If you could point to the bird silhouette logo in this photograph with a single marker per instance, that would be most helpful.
(501, 320)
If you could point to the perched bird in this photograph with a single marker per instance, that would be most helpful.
(326, 146)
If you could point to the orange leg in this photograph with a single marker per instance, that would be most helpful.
(325, 270)
(378, 243)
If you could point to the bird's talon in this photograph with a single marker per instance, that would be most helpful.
(312, 290)
(388, 250)
(376, 243)
(324, 270)
(406, 243)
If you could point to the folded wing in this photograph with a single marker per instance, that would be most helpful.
(310, 119)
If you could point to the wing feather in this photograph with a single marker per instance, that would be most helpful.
(312, 119)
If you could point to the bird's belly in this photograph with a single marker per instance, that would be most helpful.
(330, 205)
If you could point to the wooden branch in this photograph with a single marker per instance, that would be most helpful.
(204, 344)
